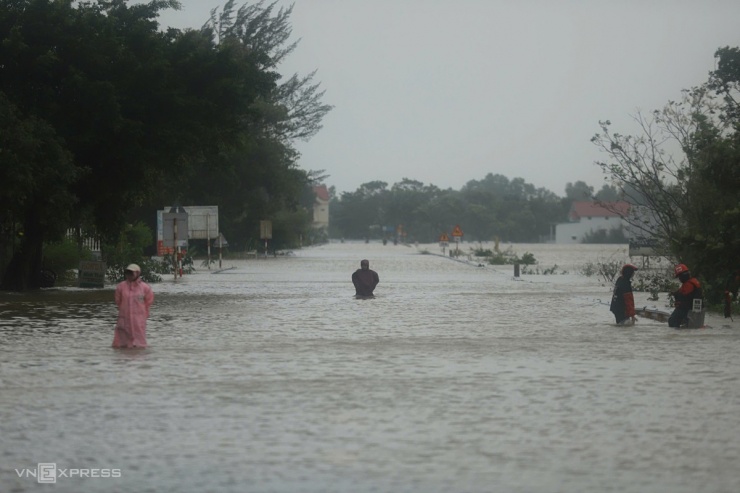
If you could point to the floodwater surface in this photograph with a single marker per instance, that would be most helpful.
(269, 376)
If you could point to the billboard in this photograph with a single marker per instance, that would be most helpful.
(202, 224)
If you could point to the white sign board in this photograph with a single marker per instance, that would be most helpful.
(202, 222)
(175, 229)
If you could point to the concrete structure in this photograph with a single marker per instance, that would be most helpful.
(589, 217)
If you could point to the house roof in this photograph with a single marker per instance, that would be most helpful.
(598, 209)
(321, 192)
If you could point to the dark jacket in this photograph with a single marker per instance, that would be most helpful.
(623, 301)
(365, 281)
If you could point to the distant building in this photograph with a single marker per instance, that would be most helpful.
(321, 208)
(589, 217)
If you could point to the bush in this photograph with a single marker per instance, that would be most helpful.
(653, 283)
(612, 236)
(508, 257)
(545, 272)
(150, 270)
(130, 250)
(608, 270)
(63, 256)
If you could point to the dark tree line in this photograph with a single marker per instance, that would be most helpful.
(494, 207)
(105, 118)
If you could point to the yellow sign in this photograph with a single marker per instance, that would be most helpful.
(444, 237)
(457, 231)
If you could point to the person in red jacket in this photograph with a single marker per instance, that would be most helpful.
(623, 302)
(684, 297)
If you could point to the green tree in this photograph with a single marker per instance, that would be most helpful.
(682, 174)
(141, 118)
(405, 206)
(608, 193)
(356, 212)
(657, 168)
(88, 75)
(257, 177)
(494, 207)
(35, 172)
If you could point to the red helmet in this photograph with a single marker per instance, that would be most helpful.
(626, 267)
(680, 269)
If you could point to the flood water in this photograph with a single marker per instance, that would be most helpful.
(270, 376)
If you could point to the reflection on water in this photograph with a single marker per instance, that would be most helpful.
(270, 376)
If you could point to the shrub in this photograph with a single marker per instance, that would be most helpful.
(508, 257)
(63, 256)
(653, 283)
(130, 249)
(608, 270)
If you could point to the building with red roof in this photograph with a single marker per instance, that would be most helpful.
(590, 217)
(321, 207)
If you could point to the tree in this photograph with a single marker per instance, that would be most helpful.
(608, 193)
(495, 207)
(657, 167)
(258, 177)
(93, 78)
(726, 82)
(293, 109)
(355, 212)
(133, 117)
(405, 206)
(578, 191)
(35, 169)
(681, 174)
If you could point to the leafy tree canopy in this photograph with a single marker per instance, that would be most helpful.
(105, 117)
(682, 173)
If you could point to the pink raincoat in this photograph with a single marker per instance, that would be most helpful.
(133, 299)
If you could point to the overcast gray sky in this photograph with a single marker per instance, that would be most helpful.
(447, 91)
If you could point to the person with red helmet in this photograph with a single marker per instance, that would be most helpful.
(684, 297)
(623, 301)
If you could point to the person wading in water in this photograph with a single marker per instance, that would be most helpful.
(365, 280)
(133, 297)
(623, 301)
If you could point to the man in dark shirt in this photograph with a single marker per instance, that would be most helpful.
(365, 280)
(683, 298)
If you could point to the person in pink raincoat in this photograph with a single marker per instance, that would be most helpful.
(133, 298)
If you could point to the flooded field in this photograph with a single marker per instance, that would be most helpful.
(270, 377)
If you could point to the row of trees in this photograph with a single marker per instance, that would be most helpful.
(106, 118)
(681, 173)
(494, 207)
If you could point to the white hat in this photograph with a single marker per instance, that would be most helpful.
(133, 267)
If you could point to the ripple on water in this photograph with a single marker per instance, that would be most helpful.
(271, 377)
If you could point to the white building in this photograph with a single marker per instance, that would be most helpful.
(589, 217)
(321, 208)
